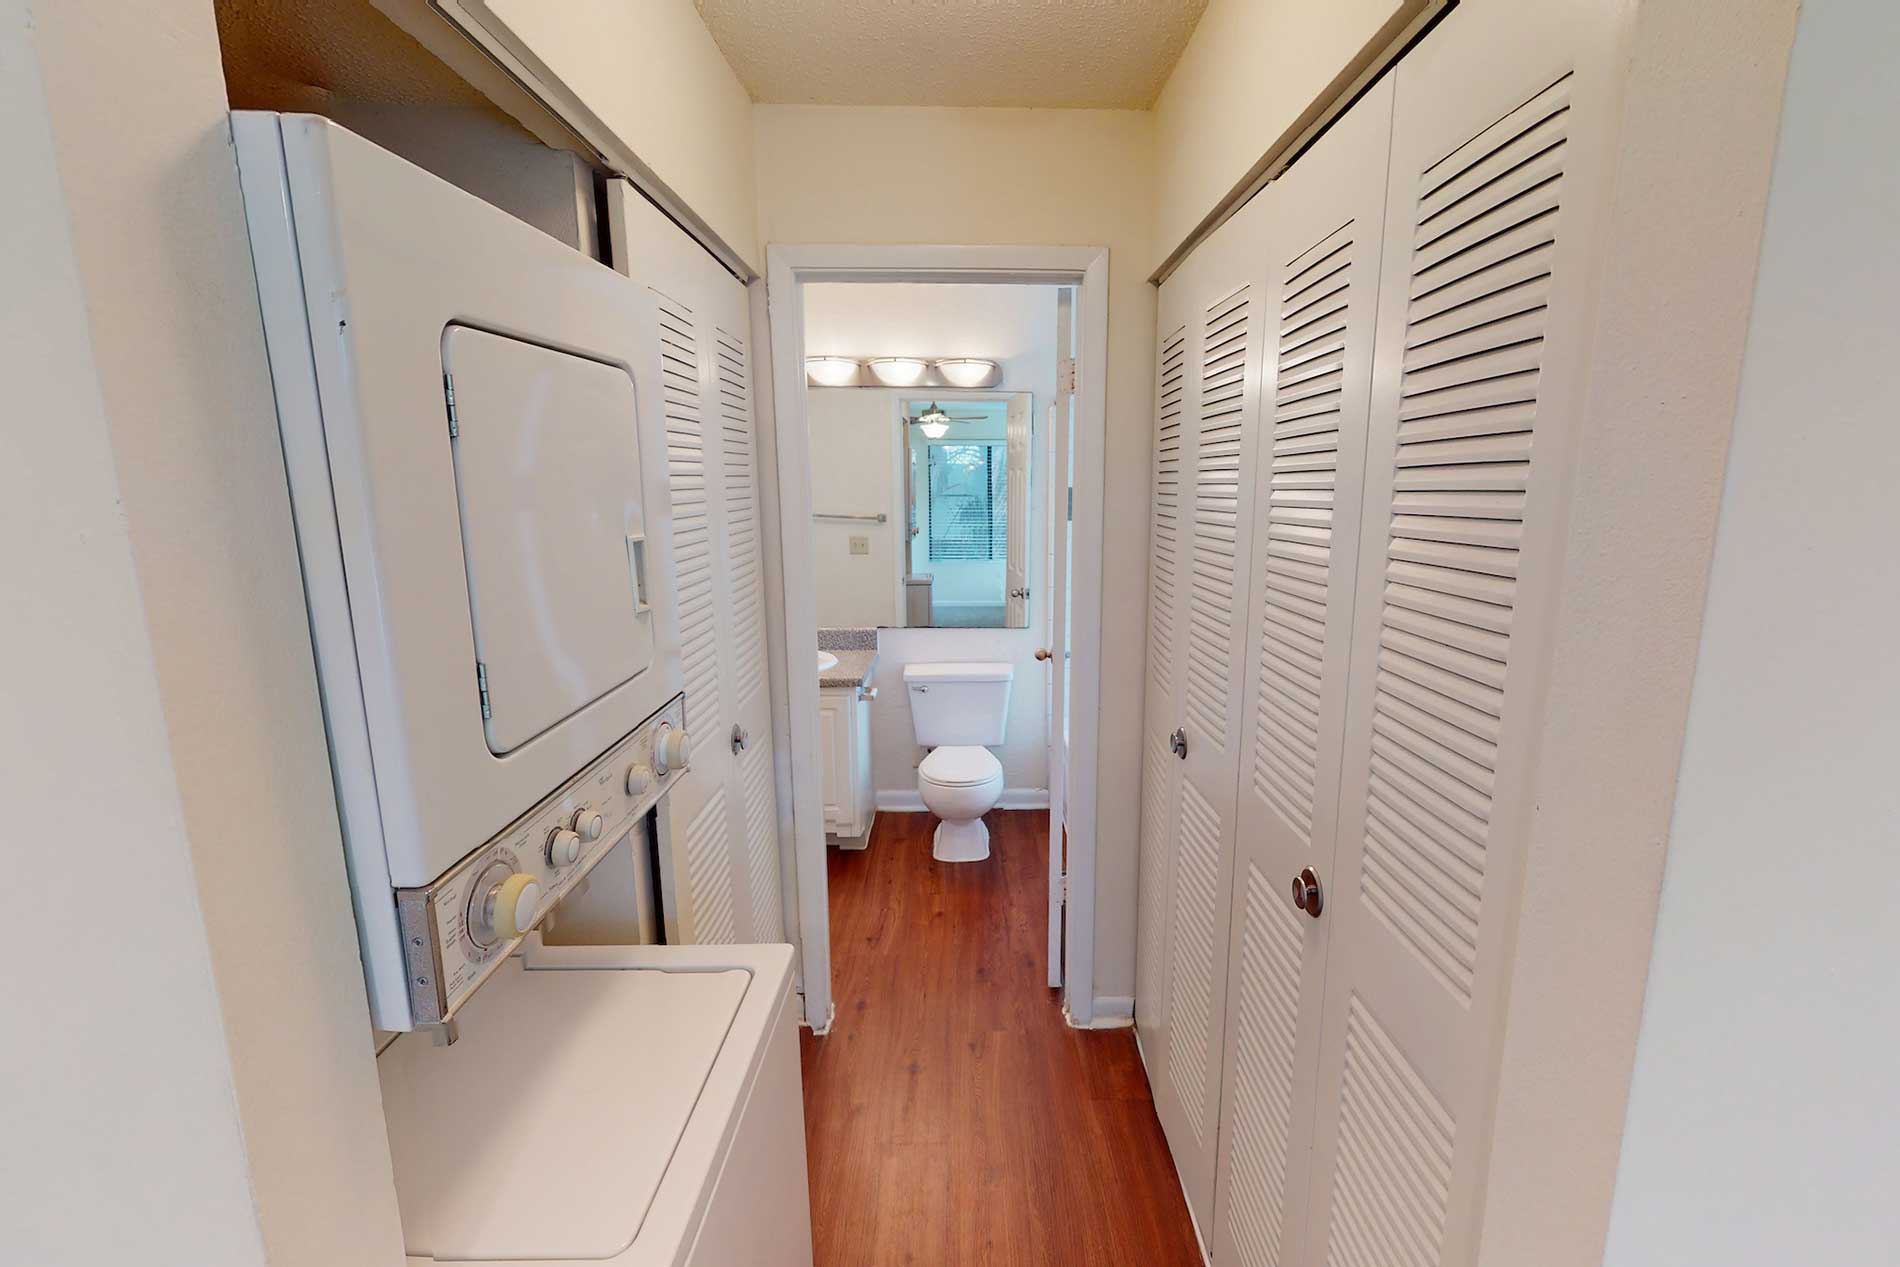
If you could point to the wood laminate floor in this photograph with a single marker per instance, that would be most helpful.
(951, 1116)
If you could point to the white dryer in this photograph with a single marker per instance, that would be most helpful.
(476, 449)
(629, 1105)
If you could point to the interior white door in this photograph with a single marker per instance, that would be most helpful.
(1318, 268)
(1225, 334)
(1482, 316)
(1056, 478)
(721, 872)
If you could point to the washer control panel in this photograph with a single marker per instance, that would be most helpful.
(459, 927)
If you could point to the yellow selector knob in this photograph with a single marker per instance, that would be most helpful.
(514, 905)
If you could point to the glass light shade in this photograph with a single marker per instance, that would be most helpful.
(935, 430)
(899, 371)
(967, 371)
(831, 371)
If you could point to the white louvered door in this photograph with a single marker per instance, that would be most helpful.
(1480, 293)
(1222, 310)
(1160, 771)
(1322, 235)
(721, 869)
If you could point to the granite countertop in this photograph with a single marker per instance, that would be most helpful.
(854, 669)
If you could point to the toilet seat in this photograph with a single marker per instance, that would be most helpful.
(960, 766)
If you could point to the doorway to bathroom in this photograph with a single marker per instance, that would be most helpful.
(938, 442)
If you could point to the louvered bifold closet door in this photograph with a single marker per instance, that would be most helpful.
(1480, 333)
(750, 786)
(1222, 289)
(1160, 772)
(1323, 223)
(720, 865)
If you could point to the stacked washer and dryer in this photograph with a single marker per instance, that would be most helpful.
(475, 447)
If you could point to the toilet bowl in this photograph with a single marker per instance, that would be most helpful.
(958, 711)
(960, 784)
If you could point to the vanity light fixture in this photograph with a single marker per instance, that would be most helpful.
(899, 371)
(831, 371)
(968, 371)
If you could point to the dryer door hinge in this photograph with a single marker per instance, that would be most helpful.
(481, 685)
(455, 425)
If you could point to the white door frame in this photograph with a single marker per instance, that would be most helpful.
(788, 268)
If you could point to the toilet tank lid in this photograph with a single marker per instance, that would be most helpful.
(985, 671)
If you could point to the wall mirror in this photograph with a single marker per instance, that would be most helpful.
(921, 507)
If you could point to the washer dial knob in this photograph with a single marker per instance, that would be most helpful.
(638, 777)
(672, 750)
(507, 909)
(588, 824)
(564, 847)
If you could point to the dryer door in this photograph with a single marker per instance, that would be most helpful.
(547, 474)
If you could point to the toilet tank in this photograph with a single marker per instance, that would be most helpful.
(961, 704)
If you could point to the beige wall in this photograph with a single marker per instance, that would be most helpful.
(1247, 74)
(876, 175)
(1762, 1115)
(122, 1138)
(141, 138)
(652, 73)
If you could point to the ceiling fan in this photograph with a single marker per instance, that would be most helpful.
(935, 422)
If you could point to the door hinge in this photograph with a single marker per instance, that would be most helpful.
(1065, 375)
(1065, 888)
(448, 392)
(481, 685)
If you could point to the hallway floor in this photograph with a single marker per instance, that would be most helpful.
(952, 1116)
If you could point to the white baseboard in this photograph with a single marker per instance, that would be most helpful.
(1112, 1011)
(911, 801)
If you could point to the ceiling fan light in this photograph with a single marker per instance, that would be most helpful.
(968, 371)
(831, 371)
(934, 430)
(899, 371)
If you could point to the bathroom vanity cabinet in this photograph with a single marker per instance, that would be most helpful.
(844, 753)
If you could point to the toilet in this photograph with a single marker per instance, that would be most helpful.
(959, 711)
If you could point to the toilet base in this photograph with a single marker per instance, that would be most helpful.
(961, 842)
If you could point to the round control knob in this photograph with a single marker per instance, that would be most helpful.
(638, 776)
(564, 848)
(588, 824)
(672, 750)
(509, 909)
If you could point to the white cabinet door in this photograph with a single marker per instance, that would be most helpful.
(1495, 166)
(1322, 225)
(834, 757)
(723, 873)
(1223, 304)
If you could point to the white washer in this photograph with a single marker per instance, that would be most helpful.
(627, 1105)
(475, 443)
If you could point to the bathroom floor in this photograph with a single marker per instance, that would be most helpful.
(951, 1115)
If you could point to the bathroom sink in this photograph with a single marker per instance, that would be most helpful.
(826, 661)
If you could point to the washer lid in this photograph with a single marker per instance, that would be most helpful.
(545, 1131)
(547, 473)
(960, 766)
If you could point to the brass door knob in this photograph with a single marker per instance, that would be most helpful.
(1044, 653)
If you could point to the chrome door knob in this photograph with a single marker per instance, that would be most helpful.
(1307, 895)
(740, 737)
(1177, 742)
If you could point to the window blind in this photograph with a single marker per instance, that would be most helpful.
(969, 501)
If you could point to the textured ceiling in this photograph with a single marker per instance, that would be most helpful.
(1069, 53)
